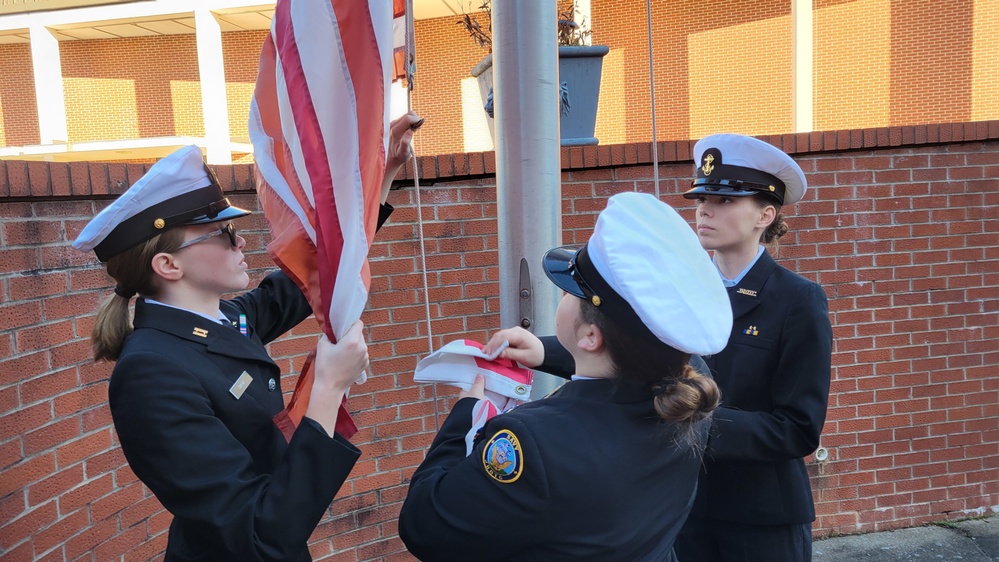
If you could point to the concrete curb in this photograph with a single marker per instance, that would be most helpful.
(974, 540)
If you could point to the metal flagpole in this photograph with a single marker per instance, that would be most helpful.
(528, 165)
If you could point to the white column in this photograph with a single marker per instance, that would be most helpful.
(211, 69)
(49, 95)
(801, 23)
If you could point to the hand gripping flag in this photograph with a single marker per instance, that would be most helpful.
(319, 128)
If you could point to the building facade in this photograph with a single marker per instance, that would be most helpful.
(133, 80)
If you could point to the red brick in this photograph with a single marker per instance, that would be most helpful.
(95, 534)
(85, 447)
(99, 179)
(30, 522)
(17, 178)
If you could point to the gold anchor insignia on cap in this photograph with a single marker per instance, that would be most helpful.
(201, 332)
(747, 292)
(212, 176)
(751, 331)
(158, 224)
(707, 168)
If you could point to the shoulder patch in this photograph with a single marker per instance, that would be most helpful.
(503, 458)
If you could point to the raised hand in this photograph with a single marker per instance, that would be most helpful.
(401, 139)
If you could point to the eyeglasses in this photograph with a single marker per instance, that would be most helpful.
(229, 230)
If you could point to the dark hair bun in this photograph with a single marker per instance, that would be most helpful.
(689, 399)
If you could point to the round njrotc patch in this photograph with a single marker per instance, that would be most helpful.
(503, 458)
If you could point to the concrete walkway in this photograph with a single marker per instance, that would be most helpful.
(975, 540)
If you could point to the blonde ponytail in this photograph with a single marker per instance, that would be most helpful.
(133, 272)
(113, 325)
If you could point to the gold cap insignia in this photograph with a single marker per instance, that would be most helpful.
(772, 188)
(707, 168)
(212, 176)
(595, 300)
(158, 224)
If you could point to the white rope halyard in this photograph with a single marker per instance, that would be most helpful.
(652, 97)
(410, 72)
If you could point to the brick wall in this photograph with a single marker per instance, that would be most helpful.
(727, 66)
(446, 56)
(241, 52)
(18, 109)
(900, 226)
(126, 84)
(695, 43)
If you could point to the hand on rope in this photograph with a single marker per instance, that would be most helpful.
(400, 147)
(401, 142)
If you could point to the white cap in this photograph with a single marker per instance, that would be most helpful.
(177, 190)
(737, 165)
(645, 268)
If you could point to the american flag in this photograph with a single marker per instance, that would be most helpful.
(319, 128)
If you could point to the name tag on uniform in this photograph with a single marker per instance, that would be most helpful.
(240, 385)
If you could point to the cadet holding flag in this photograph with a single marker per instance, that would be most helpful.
(605, 468)
(193, 392)
(754, 500)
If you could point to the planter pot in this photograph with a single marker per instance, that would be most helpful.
(579, 71)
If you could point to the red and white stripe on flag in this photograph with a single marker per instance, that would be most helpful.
(319, 128)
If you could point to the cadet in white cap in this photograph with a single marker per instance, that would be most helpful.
(754, 500)
(604, 468)
(193, 391)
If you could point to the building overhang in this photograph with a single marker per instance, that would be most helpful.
(111, 151)
(70, 20)
(26, 6)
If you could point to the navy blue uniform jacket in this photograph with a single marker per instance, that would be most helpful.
(237, 490)
(602, 479)
(774, 376)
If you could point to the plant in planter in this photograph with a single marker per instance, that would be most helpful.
(579, 71)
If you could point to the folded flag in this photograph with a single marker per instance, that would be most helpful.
(507, 383)
(481, 412)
